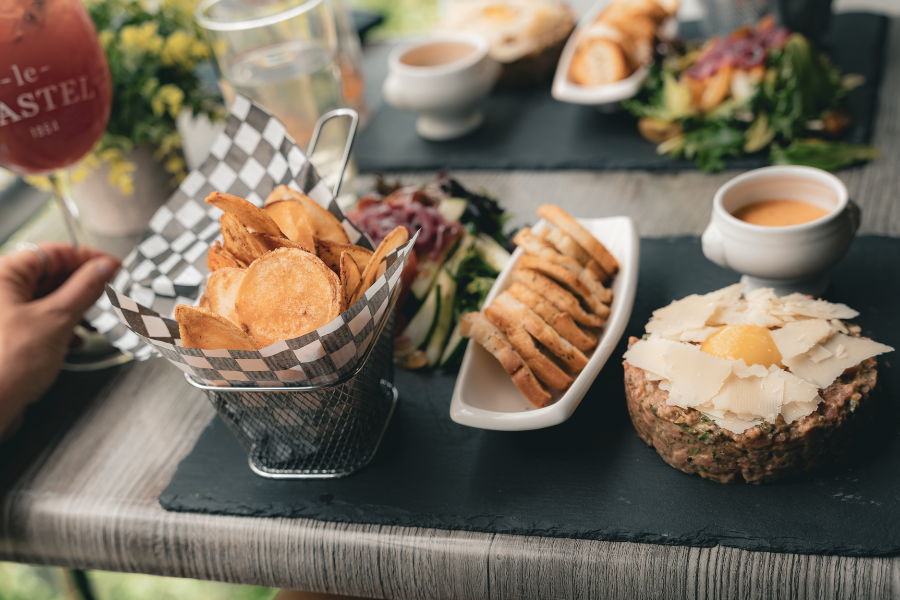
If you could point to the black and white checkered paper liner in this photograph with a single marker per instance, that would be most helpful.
(249, 159)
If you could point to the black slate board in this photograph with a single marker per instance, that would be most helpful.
(528, 129)
(592, 477)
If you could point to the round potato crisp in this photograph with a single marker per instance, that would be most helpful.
(287, 293)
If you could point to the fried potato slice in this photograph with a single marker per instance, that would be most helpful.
(330, 253)
(203, 329)
(204, 302)
(559, 297)
(324, 224)
(221, 292)
(562, 322)
(564, 244)
(350, 277)
(568, 279)
(292, 219)
(533, 324)
(573, 229)
(238, 241)
(220, 258)
(274, 243)
(391, 242)
(477, 327)
(534, 245)
(287, 293)
(522, 342)
(253, 218)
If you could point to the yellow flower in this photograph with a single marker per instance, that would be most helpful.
(149, 87)
(106, 37)
(137, 40)
(120, 176)
(199, 50)
(178, 51)
(175, 165)
(41, 182)
(169, 96)
(84, 168)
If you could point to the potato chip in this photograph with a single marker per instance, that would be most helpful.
(573, 229)
(394, 240)
(203, 329)
(274, 243)
(253, 218)
(221, 291)
(324, 224)
(204, 302)
(238, 241)
(291, 217)
(220, 258)
(350, 277)
(330, 253)
(287, 293)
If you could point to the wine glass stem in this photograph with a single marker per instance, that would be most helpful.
(67, 208)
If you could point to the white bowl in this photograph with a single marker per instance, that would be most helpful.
(603, 97)
(484, 395)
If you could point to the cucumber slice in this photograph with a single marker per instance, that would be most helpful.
(447, 289)
(491, 252)
(452, 209)
(424, 321)
(429, 269)
(452, 265)
(456, 345)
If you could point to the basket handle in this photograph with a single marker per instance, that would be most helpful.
(348, 145)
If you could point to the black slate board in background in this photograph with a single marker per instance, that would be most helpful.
(592, 477)
(528, 129)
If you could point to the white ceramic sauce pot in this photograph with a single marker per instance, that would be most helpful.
(445, 94)
(792, 258)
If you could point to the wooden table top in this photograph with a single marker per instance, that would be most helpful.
(82, 490)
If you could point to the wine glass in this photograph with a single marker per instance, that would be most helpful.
(55, 93)
(55, 97)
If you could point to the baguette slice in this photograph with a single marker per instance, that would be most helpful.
(477, 327)
(533, 324)
(534, 245)
(598, 61)
(562, 322)
(545, 369)
(568, 279)
(559, 297)
(573, 229)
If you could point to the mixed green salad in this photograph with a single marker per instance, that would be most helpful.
(462, 247)
(760, 89)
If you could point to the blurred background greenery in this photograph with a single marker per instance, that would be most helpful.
(22, 582)
(402, 18)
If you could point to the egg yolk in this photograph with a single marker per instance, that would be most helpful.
(751, 342)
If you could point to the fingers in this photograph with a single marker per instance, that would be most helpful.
(23, 276)
(82, 288)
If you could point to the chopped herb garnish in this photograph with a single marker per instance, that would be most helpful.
(704, 419)
(704, 435)
(853, 405)
(695, 450)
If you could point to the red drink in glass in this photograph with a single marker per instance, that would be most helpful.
(55, 89)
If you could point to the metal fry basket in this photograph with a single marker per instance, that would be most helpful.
(317, 431)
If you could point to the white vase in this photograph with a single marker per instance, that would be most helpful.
(107, 212)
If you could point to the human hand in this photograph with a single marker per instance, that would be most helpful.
(40, 304)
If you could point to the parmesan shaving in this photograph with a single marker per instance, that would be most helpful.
(797, 338)
(730, 421)
(695, 375)
(817, 309)
(758, 396)
(697, 335)
(818, 353)
(793, 411)
(681, 315)
(741, 369)
(797, 391)
(824, 372)
(649, 355)
(839, 325)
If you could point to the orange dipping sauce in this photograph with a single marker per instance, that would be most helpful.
(779, 213)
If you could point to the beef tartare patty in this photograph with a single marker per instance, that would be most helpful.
(693, 443)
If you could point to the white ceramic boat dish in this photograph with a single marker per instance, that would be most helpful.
(605, 98)
(485, 396)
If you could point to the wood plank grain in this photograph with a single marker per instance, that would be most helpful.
(90, 499)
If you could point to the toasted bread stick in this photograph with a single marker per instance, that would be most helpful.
(545, 369)
(571, 281)
(533, 324)
(559, 297)
(535, 246)
(573, 229)
(477, 327)
(566, 245)
(560, 321)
